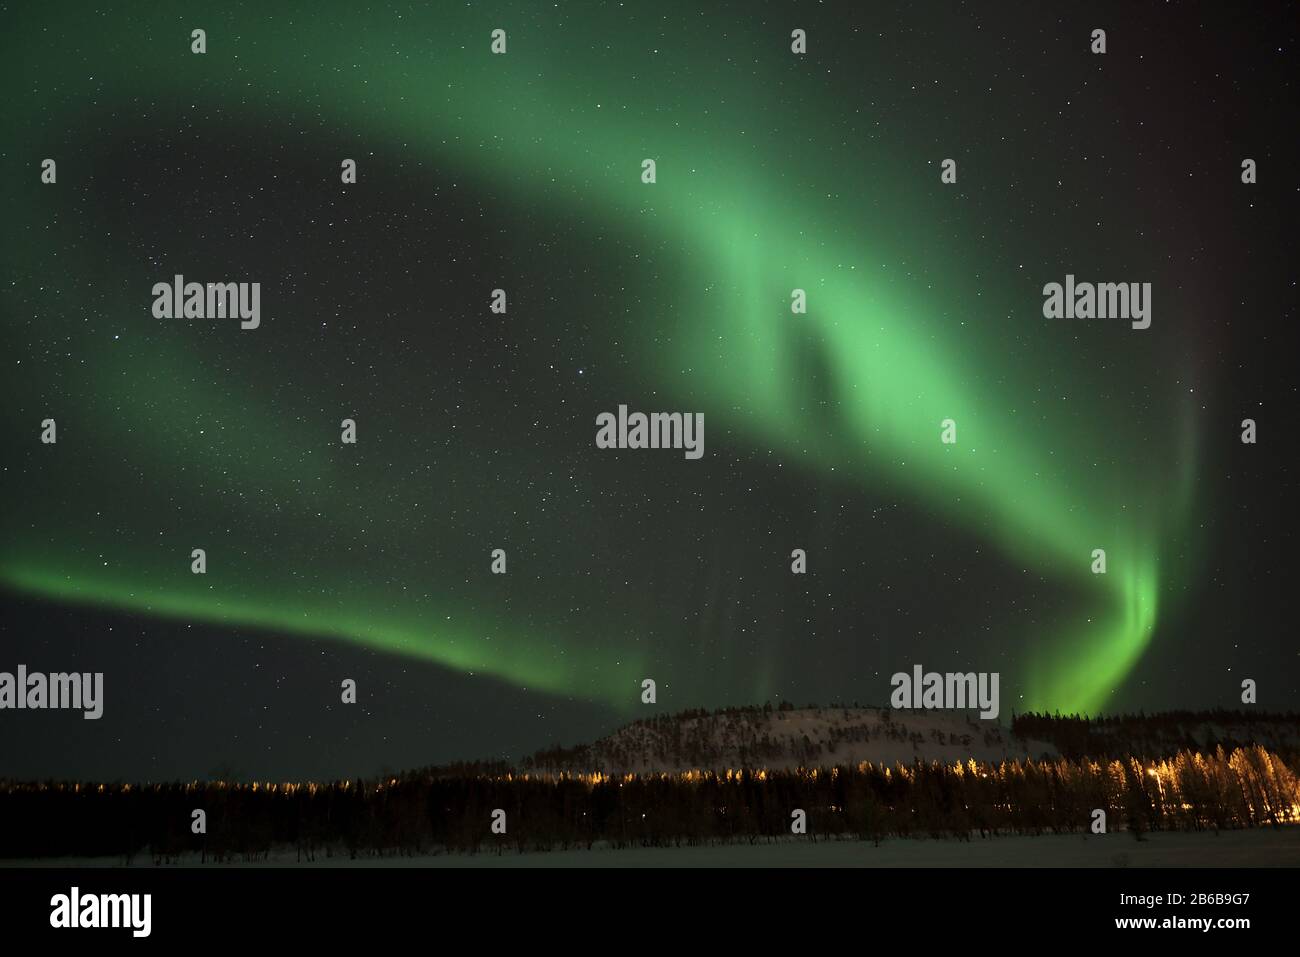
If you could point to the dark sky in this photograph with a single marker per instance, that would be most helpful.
(475, 430)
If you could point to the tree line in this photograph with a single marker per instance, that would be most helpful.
(1160, 735)
(437, 810)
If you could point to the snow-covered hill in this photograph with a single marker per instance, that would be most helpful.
(808, 737)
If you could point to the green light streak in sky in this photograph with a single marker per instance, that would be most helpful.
(562, 122)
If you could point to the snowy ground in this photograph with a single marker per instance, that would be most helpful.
(1260, 847)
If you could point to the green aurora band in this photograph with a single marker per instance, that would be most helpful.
(745, 205)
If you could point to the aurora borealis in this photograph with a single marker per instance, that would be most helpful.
(475, 430)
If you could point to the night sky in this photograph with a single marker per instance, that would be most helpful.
(476, 430)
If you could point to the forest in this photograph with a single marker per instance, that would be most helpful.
(451, 809)
(1164, 734)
